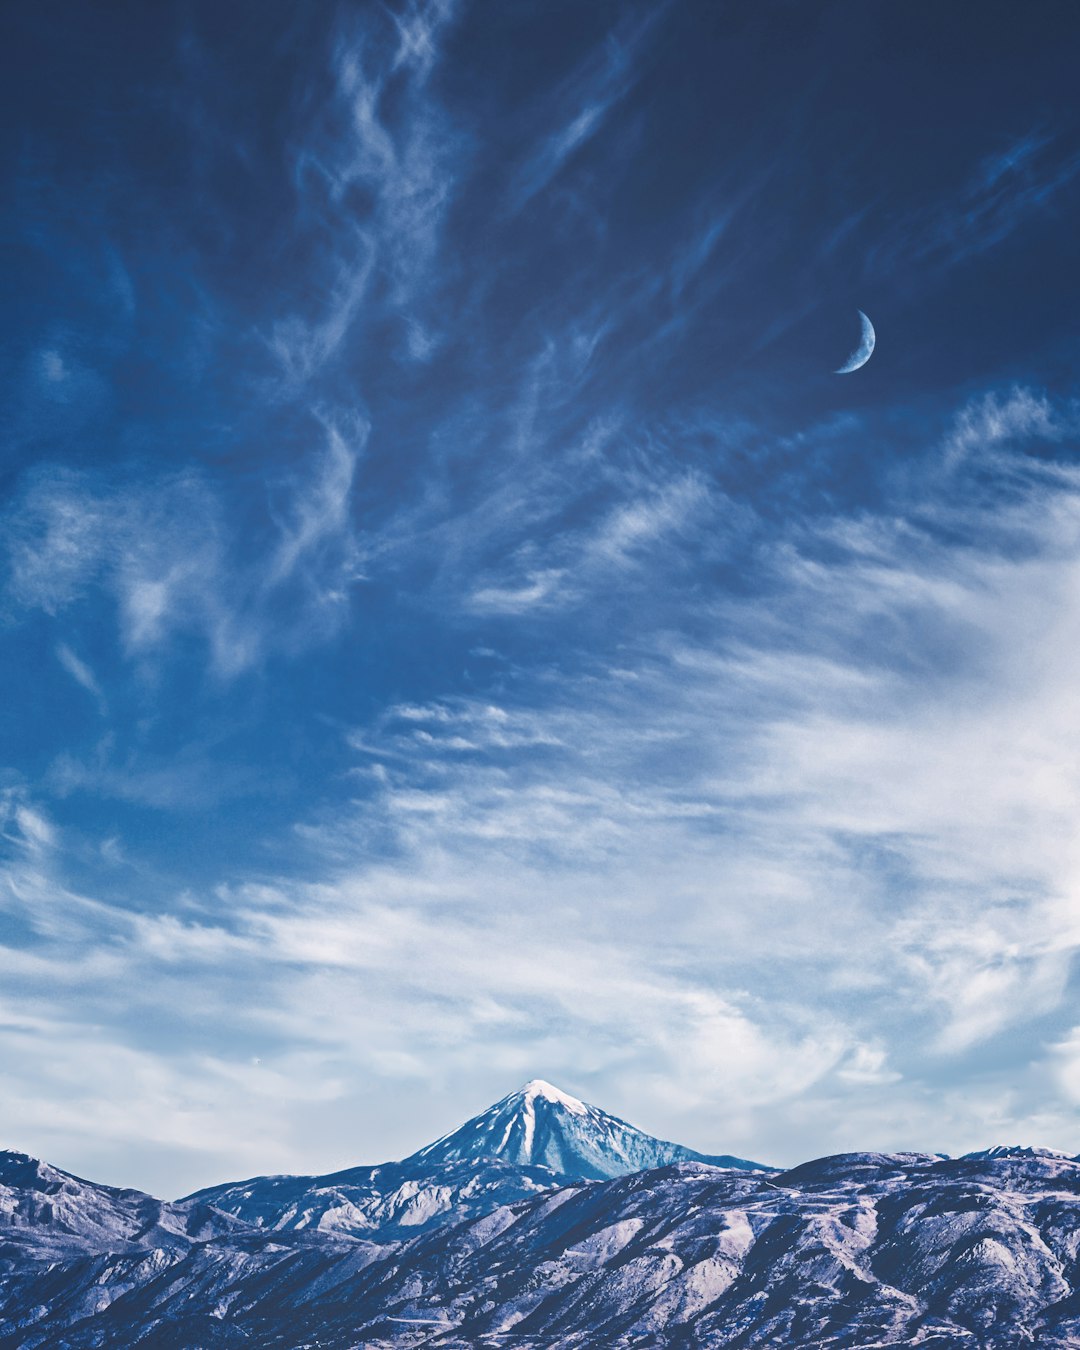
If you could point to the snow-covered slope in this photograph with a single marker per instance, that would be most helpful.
(392, 1202)
(860, 1250)
(535, 1138)
(474, 1242)
(539, 1125)
(45, 1210)
(1015, 1151)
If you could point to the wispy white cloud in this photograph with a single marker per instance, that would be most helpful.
(414, 966)
(163, 548)
(536, 587)
(81, 673)
(582, 104)
(685, 871)
(383, 138)
(649, 517)
(55, 547)
(24, 824)
(894, 726)
(558, 148)
(188, 780)
(740, 770)
(868, 1065)
(320, 518)
(552, 511)
(419, 25)
(997, 420)
(302, 345)
(1003, 190)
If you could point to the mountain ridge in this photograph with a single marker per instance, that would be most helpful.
(854, 1250)
(49, 1210)
(534, 1139)
(462, 1243)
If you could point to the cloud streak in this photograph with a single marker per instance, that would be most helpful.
(1002, 192)
(81, 673)
(163, 550)
(591, 92)
(382, 141)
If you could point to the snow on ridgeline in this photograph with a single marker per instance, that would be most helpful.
(539, 1125)
(535, 1139)
(906, 1248)
(53, 1213)
(858, 1249)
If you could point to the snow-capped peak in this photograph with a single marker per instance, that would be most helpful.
(538, 1087)
(539, 1125)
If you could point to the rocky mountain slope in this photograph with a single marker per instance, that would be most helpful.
(531, 1140)
(47, 1213)
(391, 1202)
(541, 1126)
(858, 1250)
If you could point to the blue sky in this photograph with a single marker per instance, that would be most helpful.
(456, 628)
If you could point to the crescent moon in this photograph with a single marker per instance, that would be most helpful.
(863, 351)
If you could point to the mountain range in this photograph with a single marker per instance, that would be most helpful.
(547, 1223)
(530, 1141)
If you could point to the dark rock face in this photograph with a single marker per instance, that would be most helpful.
(857, 1250)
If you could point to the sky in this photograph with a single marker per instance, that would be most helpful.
(456, 628)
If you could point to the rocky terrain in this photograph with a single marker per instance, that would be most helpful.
(447, 1250)
(530, 1141)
